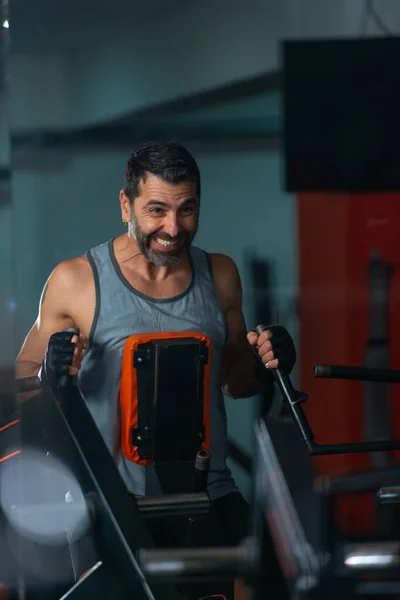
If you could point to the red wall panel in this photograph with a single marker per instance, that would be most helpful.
(336, 235)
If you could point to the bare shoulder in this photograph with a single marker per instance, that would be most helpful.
(68, 281)
(67, 300)
(70, 273)
(227, 279)
(222, 261)
(224, 267)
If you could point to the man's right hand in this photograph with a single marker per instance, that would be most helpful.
(64, 355)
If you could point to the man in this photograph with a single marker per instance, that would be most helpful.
(152, 279)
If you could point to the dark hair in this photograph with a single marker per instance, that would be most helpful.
(168, 160)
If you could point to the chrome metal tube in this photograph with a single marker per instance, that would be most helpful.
(374, 556)
(193, 564)
(389, 495)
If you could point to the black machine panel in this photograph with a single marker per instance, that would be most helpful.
(170, 376)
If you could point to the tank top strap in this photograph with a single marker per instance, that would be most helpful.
(202, 266)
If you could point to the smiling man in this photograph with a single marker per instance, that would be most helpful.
(152, 279)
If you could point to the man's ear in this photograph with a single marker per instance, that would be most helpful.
(125, 207)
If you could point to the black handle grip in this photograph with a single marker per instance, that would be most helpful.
(280, 377)
(66, 380)
(293, 397)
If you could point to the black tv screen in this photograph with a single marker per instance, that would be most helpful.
(341, 114)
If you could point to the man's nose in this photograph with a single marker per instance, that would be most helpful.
(171, 226)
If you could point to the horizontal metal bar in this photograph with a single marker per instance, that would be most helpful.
(364, 481)
(193, 564)
(389, 495)
(357, 373)
(174, 505)
(376, 556)
(353, 448)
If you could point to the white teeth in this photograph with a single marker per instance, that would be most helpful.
(165, 242)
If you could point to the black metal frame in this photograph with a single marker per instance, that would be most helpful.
(119, 529)
(322, 565)
(295, 399)
(357, 373)
(119, 551)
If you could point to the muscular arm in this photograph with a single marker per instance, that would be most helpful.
(53, 316)
(239, 378)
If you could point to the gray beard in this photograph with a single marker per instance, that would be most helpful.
(158, 258)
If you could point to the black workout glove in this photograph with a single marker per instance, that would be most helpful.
(58, 357)
(283, 348)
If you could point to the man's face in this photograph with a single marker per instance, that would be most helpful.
(164, 220)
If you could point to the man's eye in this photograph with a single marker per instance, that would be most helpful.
(187, 210)
(156, 211)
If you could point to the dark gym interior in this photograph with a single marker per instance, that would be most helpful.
(290, 109)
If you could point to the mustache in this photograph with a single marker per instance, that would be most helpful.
(168, 238)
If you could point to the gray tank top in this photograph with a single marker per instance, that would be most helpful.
(122, 311)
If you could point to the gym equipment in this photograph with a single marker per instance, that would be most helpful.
(316, 561)
(159, 426)
(368, 374)
(357, 373)
(389, 495)
(295, 399)
(58, 422)
(333, 566)
(334, 316)
(260, 273)
(377, 417)
(375, 378)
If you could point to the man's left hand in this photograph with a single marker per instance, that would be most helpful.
(275, 347)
